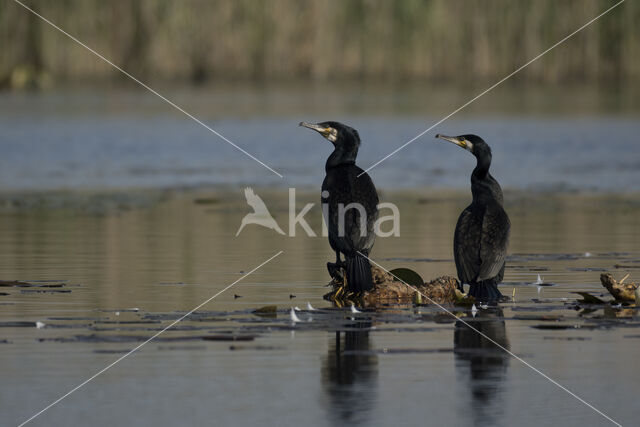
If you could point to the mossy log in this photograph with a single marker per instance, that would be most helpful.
(621, 291)
(388, 290)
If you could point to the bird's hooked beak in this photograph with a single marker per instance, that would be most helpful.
(460, 141)
(328, 132)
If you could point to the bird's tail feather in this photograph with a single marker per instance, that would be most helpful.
(485, 292)
(358, 274)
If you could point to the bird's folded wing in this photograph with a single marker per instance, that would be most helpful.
(494, 242)
(465, 246)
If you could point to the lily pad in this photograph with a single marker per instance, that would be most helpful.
(589, 299)
(266, 311)
(408, 276)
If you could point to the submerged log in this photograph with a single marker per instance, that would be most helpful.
(621, 291)
(388, 290)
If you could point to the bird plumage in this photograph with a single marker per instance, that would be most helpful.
(482, 232)
(351, 202)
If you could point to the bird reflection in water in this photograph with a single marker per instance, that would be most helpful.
(480, 363)
(350, 375)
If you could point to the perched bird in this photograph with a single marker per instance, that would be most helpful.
(350, 206)
(260, 214)
(482, 233)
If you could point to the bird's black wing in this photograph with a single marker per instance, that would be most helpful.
(363, 192)
(466, 245)
(494, 241)
(344, 188)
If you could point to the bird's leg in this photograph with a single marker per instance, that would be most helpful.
(334, 269)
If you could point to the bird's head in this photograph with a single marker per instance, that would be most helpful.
(472, 143)
(342, 136)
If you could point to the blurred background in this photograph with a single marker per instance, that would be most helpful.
(252, 70)
(202, 41)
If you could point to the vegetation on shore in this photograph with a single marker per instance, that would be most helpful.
(366, 40)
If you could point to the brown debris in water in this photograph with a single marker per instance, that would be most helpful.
(388, 290)
(621, 291)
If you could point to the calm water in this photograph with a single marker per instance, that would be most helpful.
(403, 367)
(542, 140)
(119, 257)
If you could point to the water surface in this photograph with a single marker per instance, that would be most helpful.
(130, 272)
(547, 139)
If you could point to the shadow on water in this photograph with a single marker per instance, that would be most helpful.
(350, 376)
(481, 365)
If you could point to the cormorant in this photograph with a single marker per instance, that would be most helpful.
(348, 192)
(482, 233)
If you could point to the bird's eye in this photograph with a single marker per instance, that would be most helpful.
(462, 138)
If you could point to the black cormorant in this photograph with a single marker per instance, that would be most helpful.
(348, 191)
(482, 233)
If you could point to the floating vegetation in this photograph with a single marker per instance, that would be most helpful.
(128, 322)
(407, 276)
(108, 351)
(555, 327)
(621, 291)
(389, 290)
(587, 298)
(266, 311)
(45, 291)
(95, 338)
(42, 287)
(17, 324)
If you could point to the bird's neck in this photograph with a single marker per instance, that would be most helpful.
(483, 163)
(484, 187)
(340, 157)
